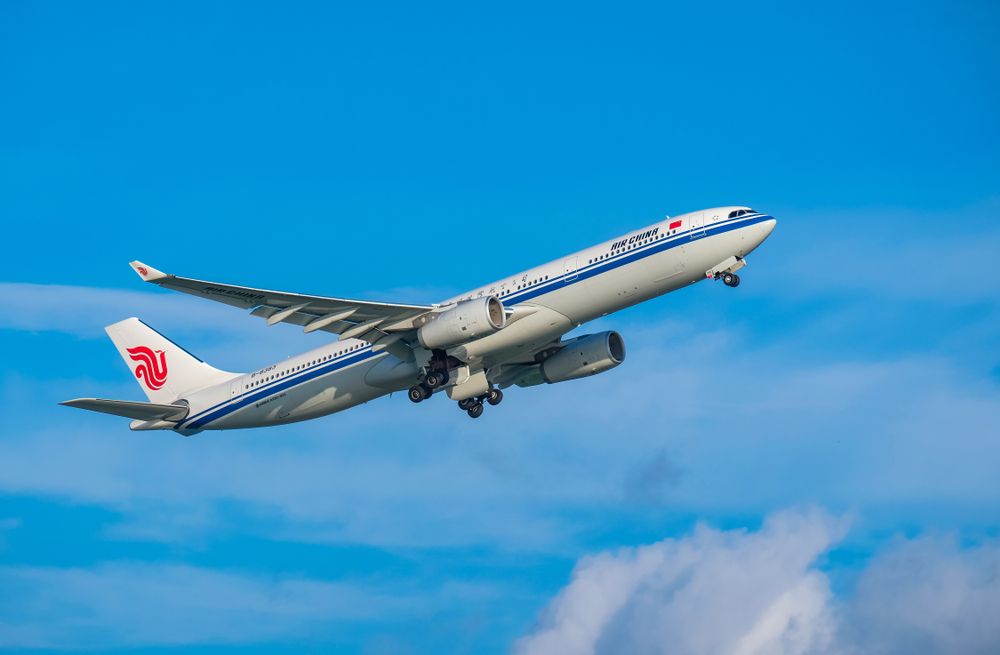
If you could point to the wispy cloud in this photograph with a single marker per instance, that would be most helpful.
(84, 311)
(228, 336)
(138, 604)
(658, 428)
(927, 595)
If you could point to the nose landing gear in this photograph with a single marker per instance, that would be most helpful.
(726, 271)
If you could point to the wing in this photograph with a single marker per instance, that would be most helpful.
(379, 323)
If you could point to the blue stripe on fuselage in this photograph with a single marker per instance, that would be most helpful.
(228, 406)
(630, 256)
(224, 408)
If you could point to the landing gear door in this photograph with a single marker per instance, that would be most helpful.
(570, 269)
(697, 225)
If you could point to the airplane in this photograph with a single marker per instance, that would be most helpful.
(469, 348)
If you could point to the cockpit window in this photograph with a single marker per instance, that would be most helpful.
(740, 212)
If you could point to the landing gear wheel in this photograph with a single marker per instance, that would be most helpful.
(464, 405)
(416, 394)
(433, 380)
(731, 280)
(494, 396)
(476, 410)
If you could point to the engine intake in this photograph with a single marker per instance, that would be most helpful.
(466, 321)
(587, 355)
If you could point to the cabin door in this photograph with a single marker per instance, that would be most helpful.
(697, 225)
(570, 270)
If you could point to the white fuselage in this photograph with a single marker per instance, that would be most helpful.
(561, 294)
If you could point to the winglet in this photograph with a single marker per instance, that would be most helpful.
(146, 272)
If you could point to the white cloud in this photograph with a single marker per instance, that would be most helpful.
(746, 593)
(712, 592)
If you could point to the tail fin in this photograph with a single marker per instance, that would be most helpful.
(165, 371)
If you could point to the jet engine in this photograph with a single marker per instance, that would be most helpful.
(468, 320)
(587, 355)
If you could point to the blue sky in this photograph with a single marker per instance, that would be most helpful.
(791, 453)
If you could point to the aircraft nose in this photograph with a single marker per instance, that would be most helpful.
(769, 226)
(756, 234)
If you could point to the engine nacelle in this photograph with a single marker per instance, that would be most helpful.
(466, 321)
(587, 355)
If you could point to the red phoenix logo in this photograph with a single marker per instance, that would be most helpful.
(142, 270)
(152, 367)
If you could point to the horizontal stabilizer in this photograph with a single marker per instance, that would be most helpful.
(131, 409)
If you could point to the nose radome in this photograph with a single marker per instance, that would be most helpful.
(761, 231)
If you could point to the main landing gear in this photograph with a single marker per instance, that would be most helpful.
(437, 378)
(474, 406)
(418, 393)
(433, 380)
